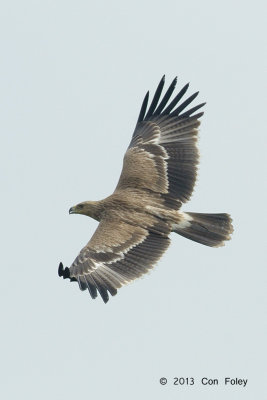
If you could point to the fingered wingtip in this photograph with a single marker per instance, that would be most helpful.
(64, 272)
(60, 269)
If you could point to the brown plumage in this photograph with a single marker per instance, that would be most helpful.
(158, 176)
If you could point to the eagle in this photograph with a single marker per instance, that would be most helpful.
(158, 177)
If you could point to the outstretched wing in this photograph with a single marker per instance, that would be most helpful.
(162, 156)
(117, 254)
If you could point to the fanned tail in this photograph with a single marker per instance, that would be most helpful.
(208, 229)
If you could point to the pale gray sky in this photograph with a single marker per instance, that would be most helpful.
(73, 76)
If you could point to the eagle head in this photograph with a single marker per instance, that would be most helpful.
(90, 208)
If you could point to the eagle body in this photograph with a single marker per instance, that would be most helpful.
(157, 178)
(133, 206)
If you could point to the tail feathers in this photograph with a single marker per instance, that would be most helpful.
(208, 229)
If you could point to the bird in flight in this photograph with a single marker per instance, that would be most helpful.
(157, 178)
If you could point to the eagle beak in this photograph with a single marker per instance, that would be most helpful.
(72, 210)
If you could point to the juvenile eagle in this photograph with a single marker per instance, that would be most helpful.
(158, 176)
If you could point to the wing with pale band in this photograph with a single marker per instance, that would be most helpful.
(117, 254)
(162, 156)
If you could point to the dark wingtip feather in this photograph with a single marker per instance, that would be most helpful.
(157, 109)
(188, 113)
(197, 116)
(166, 97)
(156, 98)
(82, 282)
(60, 269)
(143, 108)
(176, 99)
(65, 272)
(105, 297)
(182, 106)
(91, 287)
(103, 293)
(102, 290)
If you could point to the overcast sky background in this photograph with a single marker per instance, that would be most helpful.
(73, 76)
